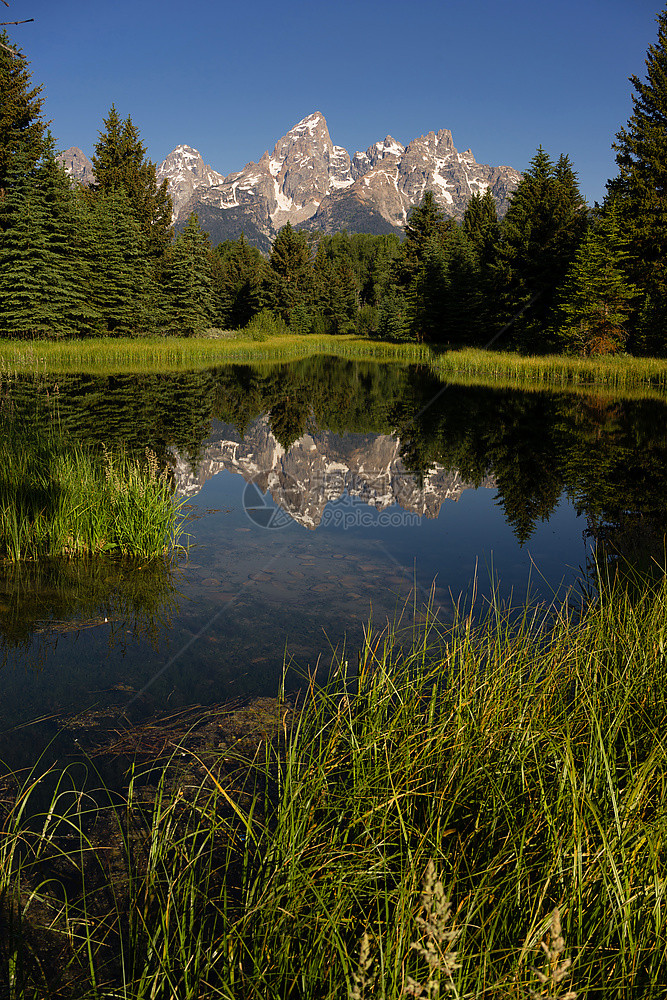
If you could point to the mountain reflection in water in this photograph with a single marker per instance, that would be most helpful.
(356, 465)
(318, 469)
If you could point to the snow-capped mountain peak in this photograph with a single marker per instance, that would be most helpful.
(185, 171)
(309, 181)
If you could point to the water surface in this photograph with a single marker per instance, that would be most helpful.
(321, 494)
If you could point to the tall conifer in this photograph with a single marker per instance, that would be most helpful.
(640, 194)
(120, 162)
(596, 295)
(41, 291)
(120, 275)
(189, 280)
(541, 231)
(21, 124)
(290, 279)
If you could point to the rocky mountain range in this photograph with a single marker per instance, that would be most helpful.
(318, 469)
(310, 182)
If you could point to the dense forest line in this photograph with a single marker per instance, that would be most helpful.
(552, 275)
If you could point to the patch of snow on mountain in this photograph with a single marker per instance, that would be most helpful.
(391, 146)
(284, 203)
(442, 182)
(275, 167)
(308, 124)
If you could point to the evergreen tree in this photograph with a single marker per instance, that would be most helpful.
(120, 163)
(596, 296)
(393, 319)
(290, 277)
(462, 309)
(421, 269)
(120, 275)
(541, 231)
(238, 274)
(481, 226)
(335, 293)
(21, 124)
(640, 192)
(482, 230)
(376, 258)
(41, 288)
(189, 280)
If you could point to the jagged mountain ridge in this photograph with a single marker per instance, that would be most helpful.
(312, 183)
(318, 469)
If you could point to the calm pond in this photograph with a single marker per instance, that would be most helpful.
(320, 494)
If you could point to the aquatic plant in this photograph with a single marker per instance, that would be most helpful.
(58, 498)
(467, 366)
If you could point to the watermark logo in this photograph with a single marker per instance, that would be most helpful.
(351, 512)
(274, 500)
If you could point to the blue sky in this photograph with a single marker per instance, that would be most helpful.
(231, 78)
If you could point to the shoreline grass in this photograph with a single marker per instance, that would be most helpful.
(469, 365)
(517, 766)
(59, 501)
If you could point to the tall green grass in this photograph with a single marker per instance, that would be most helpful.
(59, 499)
(468, 366)
(616, 372)
(447, 794)
(178, 354)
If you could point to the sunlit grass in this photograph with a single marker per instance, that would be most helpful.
(162, 354)
(467, 366)
(519, 762)
(552, 371)
(62, 500)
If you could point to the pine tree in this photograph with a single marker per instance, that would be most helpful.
(21, 124)
(120, 275)
(596, 295)
(290, 279)
(336, 293)
(541, 231)
(238, 274)
(420, 270)
(640, 192)
(462, 313)
(393, 316)
(120, 163)
(189, 281)
(41, 287)
(481, 226)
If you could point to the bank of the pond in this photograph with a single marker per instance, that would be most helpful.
(515, 766)
(169, 354)
(552, 371)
